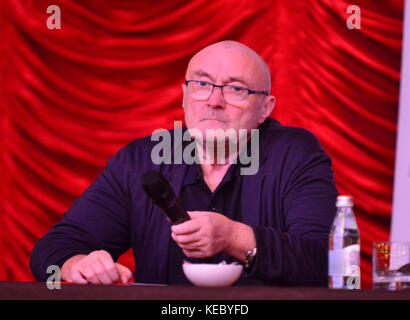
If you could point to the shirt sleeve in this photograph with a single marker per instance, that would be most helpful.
(97, 220)
(298, 255)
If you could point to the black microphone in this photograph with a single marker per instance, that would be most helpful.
(157, 187)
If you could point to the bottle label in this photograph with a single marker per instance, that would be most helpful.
(345, 262)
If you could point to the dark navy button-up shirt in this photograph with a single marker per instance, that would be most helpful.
(289, 203)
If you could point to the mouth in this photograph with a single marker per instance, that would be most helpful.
(213, 119)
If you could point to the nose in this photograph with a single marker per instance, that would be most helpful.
(216, 99)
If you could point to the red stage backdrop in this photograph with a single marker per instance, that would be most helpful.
(70, 98)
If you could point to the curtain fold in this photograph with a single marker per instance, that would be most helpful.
(70, 98)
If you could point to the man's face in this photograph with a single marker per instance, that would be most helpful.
(226, 66)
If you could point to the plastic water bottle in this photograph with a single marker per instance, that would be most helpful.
(344, 247)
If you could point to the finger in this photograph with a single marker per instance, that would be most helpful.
(109, 266)
(194, 254)
(100, 273)
(185, 239)
(76, 277)
(88, 274)
(192, 246)
(203, 251)
(187, 227)
(194, 214)
(125, 273)
(200, 245)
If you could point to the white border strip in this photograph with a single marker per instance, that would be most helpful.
(400, 225)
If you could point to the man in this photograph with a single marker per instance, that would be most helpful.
(275, 221)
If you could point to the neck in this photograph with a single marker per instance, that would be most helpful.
(216, 156)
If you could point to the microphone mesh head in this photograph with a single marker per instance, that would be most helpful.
(155, 185)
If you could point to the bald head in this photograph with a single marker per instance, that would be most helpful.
(234, 64)
(231, 60)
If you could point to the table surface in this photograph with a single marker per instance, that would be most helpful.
(40, 291)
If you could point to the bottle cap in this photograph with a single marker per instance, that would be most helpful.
(344, 201)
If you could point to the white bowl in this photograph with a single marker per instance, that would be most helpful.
(212, 275)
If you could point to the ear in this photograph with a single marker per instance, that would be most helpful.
(267, 108)
(183, 94)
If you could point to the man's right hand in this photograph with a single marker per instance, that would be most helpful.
(97, 268)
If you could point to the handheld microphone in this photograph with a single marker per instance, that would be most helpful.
(158, 189)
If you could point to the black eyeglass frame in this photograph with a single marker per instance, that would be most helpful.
(228, 85)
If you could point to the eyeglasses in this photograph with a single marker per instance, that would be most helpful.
(202, 90)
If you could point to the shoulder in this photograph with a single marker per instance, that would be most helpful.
(137, 154)
(287, 146)
(276, 135)
(133, 152)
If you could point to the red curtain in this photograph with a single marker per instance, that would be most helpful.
(70, 98)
